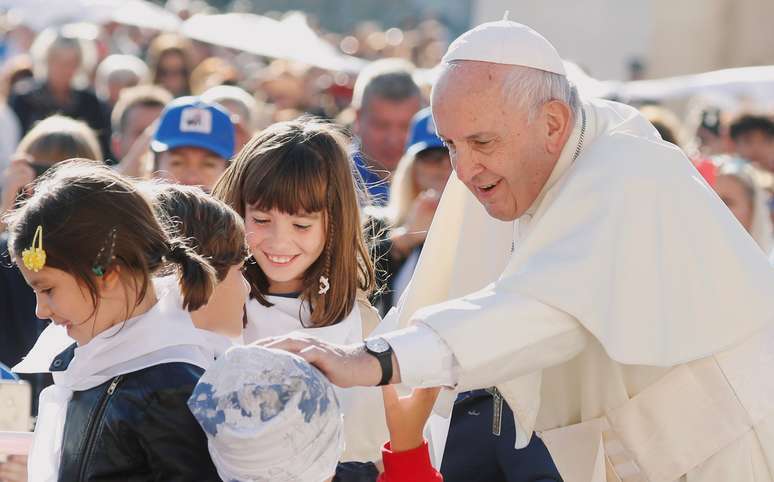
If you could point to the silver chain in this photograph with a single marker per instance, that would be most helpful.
(582, 134)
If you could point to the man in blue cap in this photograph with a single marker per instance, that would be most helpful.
(193, 143)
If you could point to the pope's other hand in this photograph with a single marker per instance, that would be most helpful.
(344, 365)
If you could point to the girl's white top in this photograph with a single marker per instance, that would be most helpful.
(164, 334)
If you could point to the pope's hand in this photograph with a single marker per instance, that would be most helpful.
(344, 365)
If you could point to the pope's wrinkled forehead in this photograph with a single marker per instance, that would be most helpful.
(468, 91)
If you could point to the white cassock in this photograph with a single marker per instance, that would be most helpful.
(632, 328)
(365, 428)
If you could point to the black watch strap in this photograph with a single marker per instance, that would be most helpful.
(382, 351)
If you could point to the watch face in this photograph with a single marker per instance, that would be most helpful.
(378, 345)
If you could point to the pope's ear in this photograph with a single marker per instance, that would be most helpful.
(558, 124)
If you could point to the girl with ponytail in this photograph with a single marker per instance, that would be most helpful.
(89, 244)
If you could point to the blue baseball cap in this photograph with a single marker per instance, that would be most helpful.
(192, 122)
(422, 133)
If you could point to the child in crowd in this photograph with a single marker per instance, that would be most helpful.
(271, 416)
(309, 269)
(89, 244)
(218, 234)
(406, 456)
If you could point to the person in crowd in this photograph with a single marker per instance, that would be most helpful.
(9, 133)
(170, 65)
(666, 123)
(243, 109)
(193, 143)
(406, 456)
(132, 117)
(298, 435)
(115, 73)
(52, 140)
(385, 100)
(53, 91)
(309, 270)
(269, 415)
(753, 139)
(212, 72)
(17, 72)
(711, 136)
(218, 234)
(736, 182)
(126, 332)
(414, 193)
(581, 269)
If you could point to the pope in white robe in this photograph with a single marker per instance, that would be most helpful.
(582, 266)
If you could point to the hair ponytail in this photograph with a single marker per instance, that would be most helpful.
(197, 277)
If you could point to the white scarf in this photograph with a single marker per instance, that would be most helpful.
(162, 335)
(365, 429)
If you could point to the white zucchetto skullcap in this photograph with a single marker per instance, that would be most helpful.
(506, 42)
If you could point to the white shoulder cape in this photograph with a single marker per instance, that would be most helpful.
(630, 241)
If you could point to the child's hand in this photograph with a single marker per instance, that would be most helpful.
(406, 417)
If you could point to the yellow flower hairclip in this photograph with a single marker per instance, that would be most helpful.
(34, 257)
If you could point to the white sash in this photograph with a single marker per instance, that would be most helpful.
(162, 335)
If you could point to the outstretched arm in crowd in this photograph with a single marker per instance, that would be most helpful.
(406, 456)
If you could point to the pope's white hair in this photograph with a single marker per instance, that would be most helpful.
(530, 88)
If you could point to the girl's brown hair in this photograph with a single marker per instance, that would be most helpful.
(303, 166)
(94, 220)
(212, 227)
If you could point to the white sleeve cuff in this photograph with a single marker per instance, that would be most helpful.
(424, 359)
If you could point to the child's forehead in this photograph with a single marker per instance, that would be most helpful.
(254, 208)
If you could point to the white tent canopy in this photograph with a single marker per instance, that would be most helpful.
(290, 38)
(40, 14)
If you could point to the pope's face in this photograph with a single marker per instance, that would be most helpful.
(503, 159)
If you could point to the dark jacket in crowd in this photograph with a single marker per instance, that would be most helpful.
(135, 427)
(33, 102)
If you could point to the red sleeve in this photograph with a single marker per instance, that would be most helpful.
(408, 466)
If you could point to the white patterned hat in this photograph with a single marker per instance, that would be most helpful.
(269, 416)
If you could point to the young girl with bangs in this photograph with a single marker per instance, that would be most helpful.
(309, 268)
(89, 244)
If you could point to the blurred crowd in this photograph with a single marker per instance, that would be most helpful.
(117, 93)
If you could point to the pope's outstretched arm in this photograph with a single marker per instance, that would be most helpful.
(475, 341)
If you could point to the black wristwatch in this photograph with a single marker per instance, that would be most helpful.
(382, 350)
